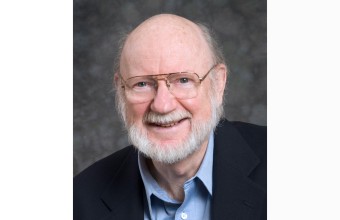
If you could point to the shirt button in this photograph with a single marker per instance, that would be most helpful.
(184, 215)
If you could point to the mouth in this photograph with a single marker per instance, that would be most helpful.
(166, 124)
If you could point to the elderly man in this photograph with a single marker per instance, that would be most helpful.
(189, 164)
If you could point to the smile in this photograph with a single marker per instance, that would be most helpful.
(171, 120)
(168, 124)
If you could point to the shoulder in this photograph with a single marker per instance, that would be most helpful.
(254, 135)
(90, 184)
(250, 131)
(105, 184)
(101, 172)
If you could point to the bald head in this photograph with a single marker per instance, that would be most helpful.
(165, 43)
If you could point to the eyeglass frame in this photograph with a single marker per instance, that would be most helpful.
(156, 76)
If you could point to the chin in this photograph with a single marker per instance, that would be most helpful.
(165, 151)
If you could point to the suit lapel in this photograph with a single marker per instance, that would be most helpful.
(235, 196)
(124, 195)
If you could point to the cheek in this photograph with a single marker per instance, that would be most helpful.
(199, 107)
(135, 112)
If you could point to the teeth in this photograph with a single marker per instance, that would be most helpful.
(166, 120)
(167, 125)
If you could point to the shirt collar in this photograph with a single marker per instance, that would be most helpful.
(205, 171)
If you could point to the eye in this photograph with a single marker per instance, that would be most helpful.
(183, 80)
(141, 84)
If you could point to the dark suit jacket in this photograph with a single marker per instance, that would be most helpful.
(112, 188)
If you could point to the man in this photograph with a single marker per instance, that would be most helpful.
(170, 81)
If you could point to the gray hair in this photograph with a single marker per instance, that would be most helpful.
(211, 38)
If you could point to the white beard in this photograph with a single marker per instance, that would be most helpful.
(172, 153)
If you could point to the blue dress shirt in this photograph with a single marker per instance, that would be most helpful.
(197, 193)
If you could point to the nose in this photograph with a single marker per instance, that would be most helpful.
(163, 102)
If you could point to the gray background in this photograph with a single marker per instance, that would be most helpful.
(240, 26)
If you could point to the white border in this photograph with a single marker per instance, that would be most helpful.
(36, 109)
(304, 109)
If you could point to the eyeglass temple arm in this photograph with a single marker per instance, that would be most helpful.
(205, 76)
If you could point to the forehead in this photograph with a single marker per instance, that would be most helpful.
(164, 46)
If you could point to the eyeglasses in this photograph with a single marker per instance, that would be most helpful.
(183, 85)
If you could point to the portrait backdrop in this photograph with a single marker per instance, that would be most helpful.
(240, 26)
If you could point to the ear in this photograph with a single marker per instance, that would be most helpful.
(221, 74)
(116, 80)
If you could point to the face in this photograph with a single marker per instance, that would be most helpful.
(168, 129)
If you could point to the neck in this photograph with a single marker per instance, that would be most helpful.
(171, 177)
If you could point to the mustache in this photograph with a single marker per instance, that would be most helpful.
(156, 118)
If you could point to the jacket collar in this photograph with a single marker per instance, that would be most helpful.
(124, 195)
